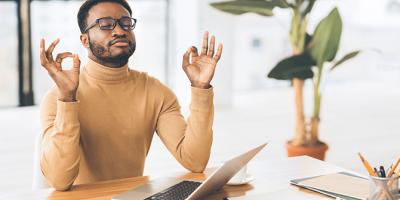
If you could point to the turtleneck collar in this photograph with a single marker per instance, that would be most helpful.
(107, 74)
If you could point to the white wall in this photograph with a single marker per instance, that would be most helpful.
(189, 20)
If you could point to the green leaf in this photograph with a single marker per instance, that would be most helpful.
(344, 59)
(298, 66)
(260, 7)
(326, 38)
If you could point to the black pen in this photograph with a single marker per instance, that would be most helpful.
(382, 170)
(376, 172)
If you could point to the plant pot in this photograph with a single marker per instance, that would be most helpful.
(316, 151)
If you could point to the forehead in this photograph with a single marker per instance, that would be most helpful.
(107, 9)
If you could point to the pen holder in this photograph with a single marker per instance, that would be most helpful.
(384, 188)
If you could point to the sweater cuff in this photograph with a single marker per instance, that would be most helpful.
(202, 98)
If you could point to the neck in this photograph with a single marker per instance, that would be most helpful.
(108, 64)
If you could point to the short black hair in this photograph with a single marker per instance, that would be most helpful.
(87, 5)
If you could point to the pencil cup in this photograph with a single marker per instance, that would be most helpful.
(384, 188)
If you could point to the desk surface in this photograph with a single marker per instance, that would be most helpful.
(270, 176)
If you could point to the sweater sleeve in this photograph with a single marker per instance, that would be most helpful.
(189, 141)
(60, 141)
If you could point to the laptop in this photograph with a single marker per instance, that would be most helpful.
(176, 189)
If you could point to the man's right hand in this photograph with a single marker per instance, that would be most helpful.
(67, 81)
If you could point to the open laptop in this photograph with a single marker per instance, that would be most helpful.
(175, 189)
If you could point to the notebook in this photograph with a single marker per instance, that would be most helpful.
(286, 193)
(341, 185)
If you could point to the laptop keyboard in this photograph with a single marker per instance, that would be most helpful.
(179, 191)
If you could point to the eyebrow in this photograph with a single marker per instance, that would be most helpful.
(113, 17)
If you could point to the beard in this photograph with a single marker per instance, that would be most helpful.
(104, 54)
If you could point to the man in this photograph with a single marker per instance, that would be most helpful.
(103, 129)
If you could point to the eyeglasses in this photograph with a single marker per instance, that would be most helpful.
(109, 23)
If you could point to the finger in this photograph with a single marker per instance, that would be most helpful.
(77, 64)
(43, 58)
(185, 61)
(49, 52)
(60, 57)
(195, 52)
(204, 48)
(219, 52)
(211, 49)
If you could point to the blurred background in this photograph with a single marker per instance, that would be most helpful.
(361, 99)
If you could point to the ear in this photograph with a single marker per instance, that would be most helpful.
(85, 40)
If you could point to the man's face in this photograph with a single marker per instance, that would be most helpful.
(110, 46)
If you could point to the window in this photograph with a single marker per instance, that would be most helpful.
(8, 54)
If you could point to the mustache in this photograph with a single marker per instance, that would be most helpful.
(119, 39)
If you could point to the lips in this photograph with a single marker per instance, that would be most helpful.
(120, 42)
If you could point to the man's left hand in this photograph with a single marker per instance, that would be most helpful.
(200, 68)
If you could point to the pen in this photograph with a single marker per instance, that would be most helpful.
(367, 165)
(376, 171)
(394, 168)
(382, 170)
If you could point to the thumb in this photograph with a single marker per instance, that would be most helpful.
(77, 64)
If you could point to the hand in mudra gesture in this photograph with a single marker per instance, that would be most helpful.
(200, 68)
(67, 81)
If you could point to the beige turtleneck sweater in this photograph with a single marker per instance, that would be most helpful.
(107, 133)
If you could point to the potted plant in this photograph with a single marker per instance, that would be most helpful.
(311, 54)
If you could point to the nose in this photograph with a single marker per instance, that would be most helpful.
(118, 31)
